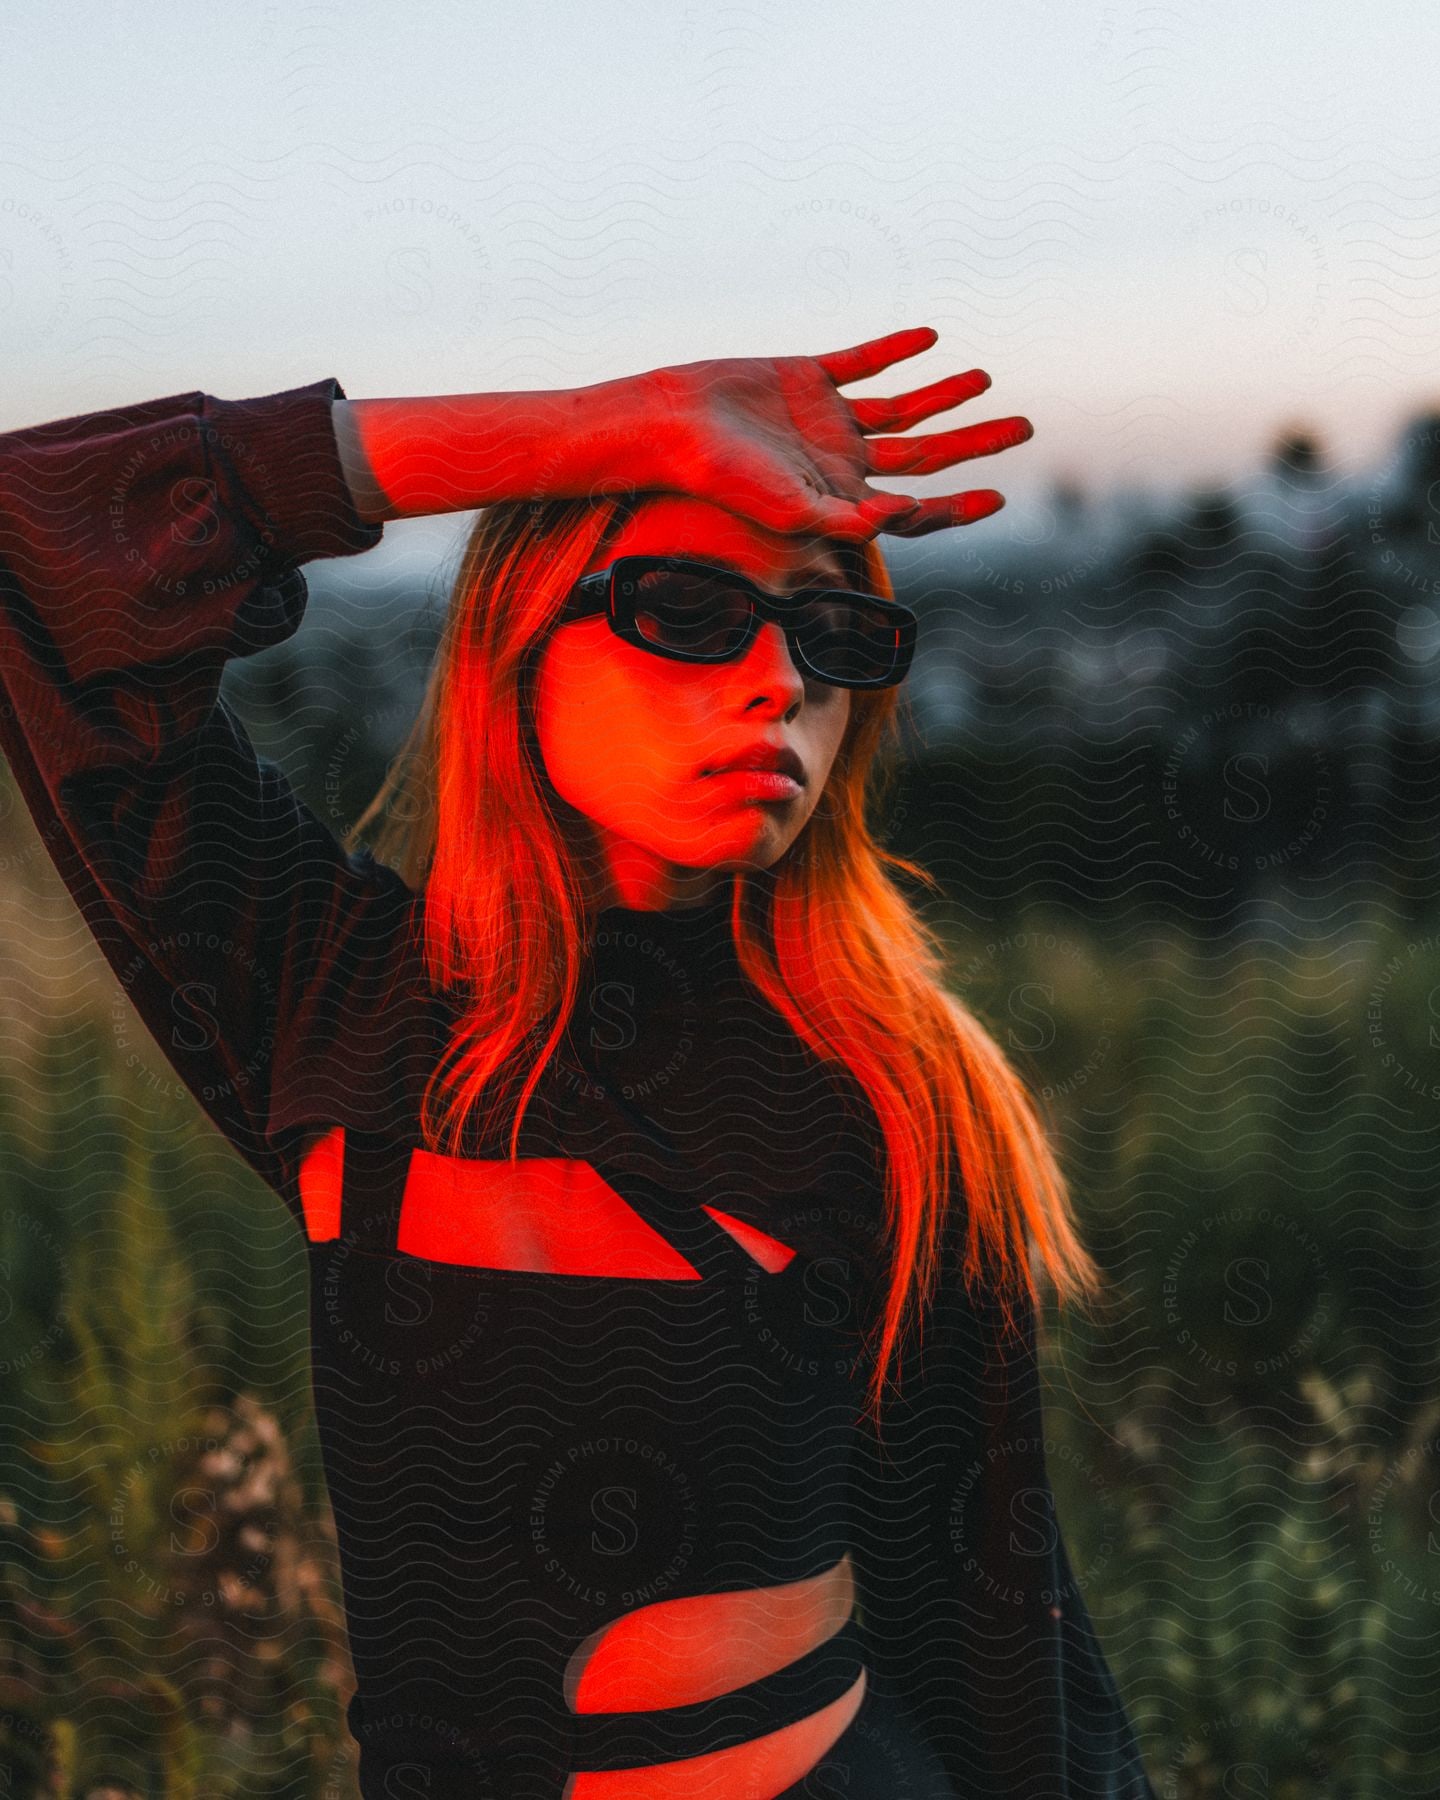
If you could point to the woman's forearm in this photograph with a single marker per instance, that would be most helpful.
(768, 438)
(440, 453)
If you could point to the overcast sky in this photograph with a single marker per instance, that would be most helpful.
(1165, 230)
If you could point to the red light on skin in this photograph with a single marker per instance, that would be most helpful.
(769, 1252)
(547, 1215)
(322, 1172)
(765, 1766)
(542, 1215)
(680, 1652)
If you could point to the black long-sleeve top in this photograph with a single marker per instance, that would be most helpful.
(623, 1372)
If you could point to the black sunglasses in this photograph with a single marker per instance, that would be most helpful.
(696, 612)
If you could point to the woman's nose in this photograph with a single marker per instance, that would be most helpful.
(770, 663)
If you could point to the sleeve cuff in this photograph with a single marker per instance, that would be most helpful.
(284, 470)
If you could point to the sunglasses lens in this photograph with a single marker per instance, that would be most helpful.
(696, 614)
(704, 615)
(848, 641)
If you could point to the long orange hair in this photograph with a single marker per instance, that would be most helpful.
(467, 812)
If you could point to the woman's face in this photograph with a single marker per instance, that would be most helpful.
(628, 737)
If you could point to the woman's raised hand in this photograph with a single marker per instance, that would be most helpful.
(770, 438)
(773, 439)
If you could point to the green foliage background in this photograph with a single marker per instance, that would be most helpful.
(1243, 1439)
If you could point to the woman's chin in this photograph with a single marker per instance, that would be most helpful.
(751, 841)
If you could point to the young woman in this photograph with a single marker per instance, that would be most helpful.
(670, 1226)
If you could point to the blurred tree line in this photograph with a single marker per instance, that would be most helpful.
(1232, 704)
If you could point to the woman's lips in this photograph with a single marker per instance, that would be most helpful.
(757, 784)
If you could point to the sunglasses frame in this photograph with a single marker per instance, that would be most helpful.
(611, 591)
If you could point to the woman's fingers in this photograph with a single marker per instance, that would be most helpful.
(905, 410)
(828, 515)
(945, 512)
(898, 515)
(772, 440)
(791, 505)
(937, 450)
(862, 519)
(870, 358)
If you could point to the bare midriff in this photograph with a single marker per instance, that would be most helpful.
(680, 1652)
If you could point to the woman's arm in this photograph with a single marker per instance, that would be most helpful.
(770, 438)
(141, 548)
